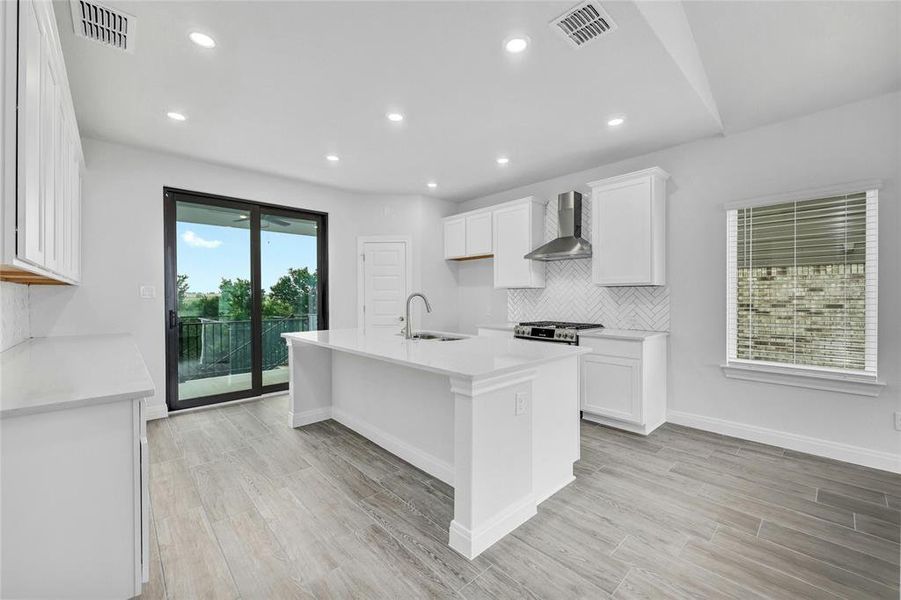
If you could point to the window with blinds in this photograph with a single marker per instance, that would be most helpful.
(802, 287)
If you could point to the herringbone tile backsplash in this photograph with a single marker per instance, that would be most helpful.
(570, 296)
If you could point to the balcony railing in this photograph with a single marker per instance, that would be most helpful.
(212, 348)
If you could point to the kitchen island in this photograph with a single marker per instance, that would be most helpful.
(497, 419)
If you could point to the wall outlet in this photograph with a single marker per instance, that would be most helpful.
(898, 421)
(521, 398)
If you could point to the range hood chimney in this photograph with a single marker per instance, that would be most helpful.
(569, 243)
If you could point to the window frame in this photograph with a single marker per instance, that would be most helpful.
(853, 381)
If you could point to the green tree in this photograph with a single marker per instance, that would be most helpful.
(208, 306)
(294, 293)
(234, 299)
(181, 286)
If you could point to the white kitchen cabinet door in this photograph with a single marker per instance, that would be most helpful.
(478, 234)
(611, 387)
(517, 230)
(455, 238)
(48, 153)
(51, 150)
(30, 206)
(628, 229)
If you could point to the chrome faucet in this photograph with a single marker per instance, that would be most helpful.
(408, 328)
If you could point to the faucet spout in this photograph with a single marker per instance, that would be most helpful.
(408, 328)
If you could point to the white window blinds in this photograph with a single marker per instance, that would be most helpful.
(802, 287)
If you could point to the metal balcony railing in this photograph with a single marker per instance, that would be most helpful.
(213, 348)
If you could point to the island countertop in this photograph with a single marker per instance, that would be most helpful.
(472, 356)
(55, 373)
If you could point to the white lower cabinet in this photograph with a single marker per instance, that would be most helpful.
(611, 385)
(75, 503)
(624, 382)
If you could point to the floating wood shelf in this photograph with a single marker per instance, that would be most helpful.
(463, 258)
(17, 275)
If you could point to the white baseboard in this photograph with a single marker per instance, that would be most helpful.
(617, 424)
(793, 441)
(545, 494)
(429, 463)
(155, 411)
(308, 417)
(472, 543)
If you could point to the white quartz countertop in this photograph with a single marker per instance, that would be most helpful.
(613, 334)
(56, 373)
(472, 356)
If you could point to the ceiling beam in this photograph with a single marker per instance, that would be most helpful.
(670, 24)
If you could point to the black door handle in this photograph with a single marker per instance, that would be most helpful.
(173, 319)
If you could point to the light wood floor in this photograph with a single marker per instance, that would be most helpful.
(244, 506)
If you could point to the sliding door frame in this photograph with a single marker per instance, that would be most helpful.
(170, 260)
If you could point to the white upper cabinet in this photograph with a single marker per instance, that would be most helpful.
(518, 228)
(43, 193)
(507, 232)
(478, 234)
(455, 237)
(468, 235)
(629, 229)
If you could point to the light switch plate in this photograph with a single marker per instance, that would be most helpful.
(898, 421)
(148, 291)
(521, 398)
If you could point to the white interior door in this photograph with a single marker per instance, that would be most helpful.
(384, 284)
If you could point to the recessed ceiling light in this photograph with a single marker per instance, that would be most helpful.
(432, 185)
(176, 116)
(616, 121)
(516, 45)
(503, 160)
(395, 117)
(202, 39)
(332, 158)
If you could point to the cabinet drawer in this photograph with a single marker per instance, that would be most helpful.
(623, 348)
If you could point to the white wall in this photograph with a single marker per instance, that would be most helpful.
(853, 142)
(479, 301)
(14, 317)
(123, 245)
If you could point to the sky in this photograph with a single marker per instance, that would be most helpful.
(207, 253)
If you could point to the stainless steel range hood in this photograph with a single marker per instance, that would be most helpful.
(569, 243)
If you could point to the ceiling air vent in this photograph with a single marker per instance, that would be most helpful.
(103, 25)
(583, 23)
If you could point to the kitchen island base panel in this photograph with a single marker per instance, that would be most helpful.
(503, 442)
(309, 384)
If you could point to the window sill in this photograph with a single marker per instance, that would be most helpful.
(861, 385)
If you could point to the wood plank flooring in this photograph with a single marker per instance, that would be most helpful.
(246, 507)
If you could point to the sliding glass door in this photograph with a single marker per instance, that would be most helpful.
(238, 275)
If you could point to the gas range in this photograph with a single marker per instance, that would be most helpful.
(553, 331)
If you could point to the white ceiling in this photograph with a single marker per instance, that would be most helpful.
(290, 82)
(770, 61)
